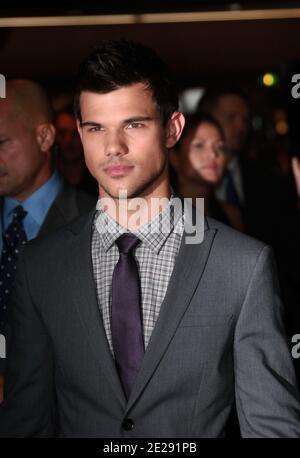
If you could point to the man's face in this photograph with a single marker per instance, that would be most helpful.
(233, 115)
(20, 158)
(125, 144)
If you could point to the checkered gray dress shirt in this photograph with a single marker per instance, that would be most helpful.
(155, 257)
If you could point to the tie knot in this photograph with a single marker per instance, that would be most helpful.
(126, 242)
(19, 213)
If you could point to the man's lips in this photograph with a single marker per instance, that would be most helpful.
(118, 170)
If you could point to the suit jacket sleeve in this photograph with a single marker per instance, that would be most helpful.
(266, 390)
(28, 407)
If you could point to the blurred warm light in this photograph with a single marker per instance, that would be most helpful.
(281, 127)
(279, 114)
(281, 124)
(269, 79)
(154, 18)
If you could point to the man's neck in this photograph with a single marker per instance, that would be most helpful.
(40, 180)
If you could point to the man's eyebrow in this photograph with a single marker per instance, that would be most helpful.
(90, 123)
(137, 119)
(125, 121)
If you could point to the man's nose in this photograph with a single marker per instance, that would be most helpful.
(115, 144)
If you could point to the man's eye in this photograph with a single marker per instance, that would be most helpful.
(94, 129)
(134, 125)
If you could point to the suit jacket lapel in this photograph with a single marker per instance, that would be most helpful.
(187, 273)
(84, 295)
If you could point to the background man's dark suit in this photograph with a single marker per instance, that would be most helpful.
(68, 205)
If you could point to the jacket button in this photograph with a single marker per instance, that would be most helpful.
(127, 424)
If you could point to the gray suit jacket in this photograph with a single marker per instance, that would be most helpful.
(219, 337)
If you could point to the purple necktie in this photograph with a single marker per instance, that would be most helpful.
(126, 320)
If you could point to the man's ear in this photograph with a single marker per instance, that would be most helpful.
(45, 135)
(174, 128)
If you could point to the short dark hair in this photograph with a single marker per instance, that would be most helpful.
(212, 95)
(195, 120)
(118, 63)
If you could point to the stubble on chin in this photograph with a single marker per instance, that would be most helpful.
(136, 190)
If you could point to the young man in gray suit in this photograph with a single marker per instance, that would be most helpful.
(123, 329)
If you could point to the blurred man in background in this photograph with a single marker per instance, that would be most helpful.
(70, 157)
(34, 199)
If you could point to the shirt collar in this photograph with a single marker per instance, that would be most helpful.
(38, 203)
(154, 234)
